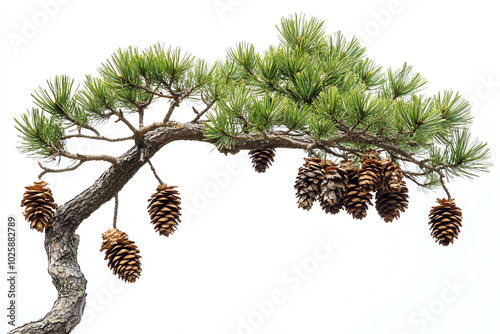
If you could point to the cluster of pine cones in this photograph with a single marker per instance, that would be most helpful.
(336, 187)
(348, 186)
(345, 186)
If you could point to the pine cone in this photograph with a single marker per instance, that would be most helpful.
(333, 189)
(393, 177)
(445, 221)
(262, 158)
(122, 255)
(164, 209)
(308, 182)
(370, 154)
(371, 172)
(389, 204)
(356, 199)
(39, 205)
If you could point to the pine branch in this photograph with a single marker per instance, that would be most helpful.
(96, 137)
(173, 104)
(88, 157)
(312, 92)
(50, 170)
(125, 121)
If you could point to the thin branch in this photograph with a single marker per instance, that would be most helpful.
(441, 179)
(154, 172)
(97, 138)
(115, 215)
(156, 93)
(50, 170)
(87, 157)
(414, 180)
(407, 172)
(88, 127)
(201, 113)
(332, 152)
(141, 118)
(122, 118)
(173, 105)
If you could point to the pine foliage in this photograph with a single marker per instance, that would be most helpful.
(311, 90)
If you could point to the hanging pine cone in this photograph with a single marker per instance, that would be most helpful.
(262, 158)
(356, 199)
(308, 182)
(39, 205)
(393, 177)
(333, 189)
(371, 172)
(164, 209)
(445, 221)
(122, 255)
(389, 204)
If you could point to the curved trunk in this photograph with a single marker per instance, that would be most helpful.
(61, 243)
(69, 281)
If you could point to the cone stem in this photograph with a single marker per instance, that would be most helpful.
(154, 172)
(115, 216)
(444, 187)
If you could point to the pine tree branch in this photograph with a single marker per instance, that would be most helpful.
(175, 103)
(156, 93)
(141, 118)
(50, 170)
(68, 308)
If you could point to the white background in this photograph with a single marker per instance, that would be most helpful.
(242, 233)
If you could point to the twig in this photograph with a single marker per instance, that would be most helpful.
(97, 137)
(86, 157)
(155, 93)
(201, 113)
(122, 118)
(330, 151)
(50, 170)
(173, 105)
(444, 186)
(115, 215)
(154, 172)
